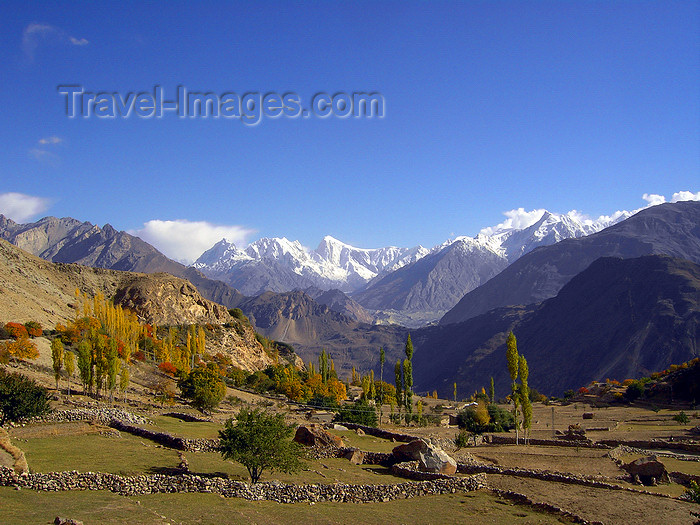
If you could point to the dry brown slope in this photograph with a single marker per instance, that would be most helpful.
(32, 289)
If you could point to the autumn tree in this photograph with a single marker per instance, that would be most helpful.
(21, 348)
(492, 391)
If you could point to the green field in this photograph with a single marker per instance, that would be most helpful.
(21, 507)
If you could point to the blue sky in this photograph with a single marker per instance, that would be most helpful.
(490, 106)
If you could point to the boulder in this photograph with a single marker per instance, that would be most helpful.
(429, 457)
(315, 436)
(336, 426)
(587, 415)
(354, 455)
(359, 432)
(409, 451)
(649, 470)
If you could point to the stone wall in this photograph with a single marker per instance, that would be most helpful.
(381, 433)
(168, 440)
(273, 491)
(103, 415)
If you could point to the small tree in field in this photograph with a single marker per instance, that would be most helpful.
(260, 442)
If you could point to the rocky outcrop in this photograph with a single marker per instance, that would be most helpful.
(166, 300)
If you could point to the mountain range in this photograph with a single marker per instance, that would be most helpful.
(414, 285)
(619, 318)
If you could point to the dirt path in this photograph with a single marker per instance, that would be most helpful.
(607, 506)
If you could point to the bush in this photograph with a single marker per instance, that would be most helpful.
(33, 329)
(634, 390)
(359, 412)
(21, 398)
(16, 330)
(236, 375)
(462, 439)
(168, 368)
(682, 418)
(502, 420)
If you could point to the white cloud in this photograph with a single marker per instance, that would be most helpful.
(50, 140)
(36, 34)
(685, 196)
(20, 207)
(185, 240)
(517, 219)
(653, 199)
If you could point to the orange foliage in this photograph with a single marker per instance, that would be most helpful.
(16, 330)
(22, 348)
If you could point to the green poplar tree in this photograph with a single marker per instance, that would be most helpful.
(398, 383)
(57, 356)
(513, 367)
(408, 377)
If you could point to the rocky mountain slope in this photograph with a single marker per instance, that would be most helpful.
(68, 240)
(295, 318)
(32, 289)
(619, 318)
(672, 229)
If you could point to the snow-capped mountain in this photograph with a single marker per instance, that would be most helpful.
(402, 279)
(278, 264)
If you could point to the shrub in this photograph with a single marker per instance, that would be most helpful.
(33, 329)
(634, 390)
(360, 412)
(462, 439)
(168, 368)
(21, 397)
(21, 348)
(682, 418)
(16, 330)
(583, 390)
(502, 420)
(569, 394)
(236, 375)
